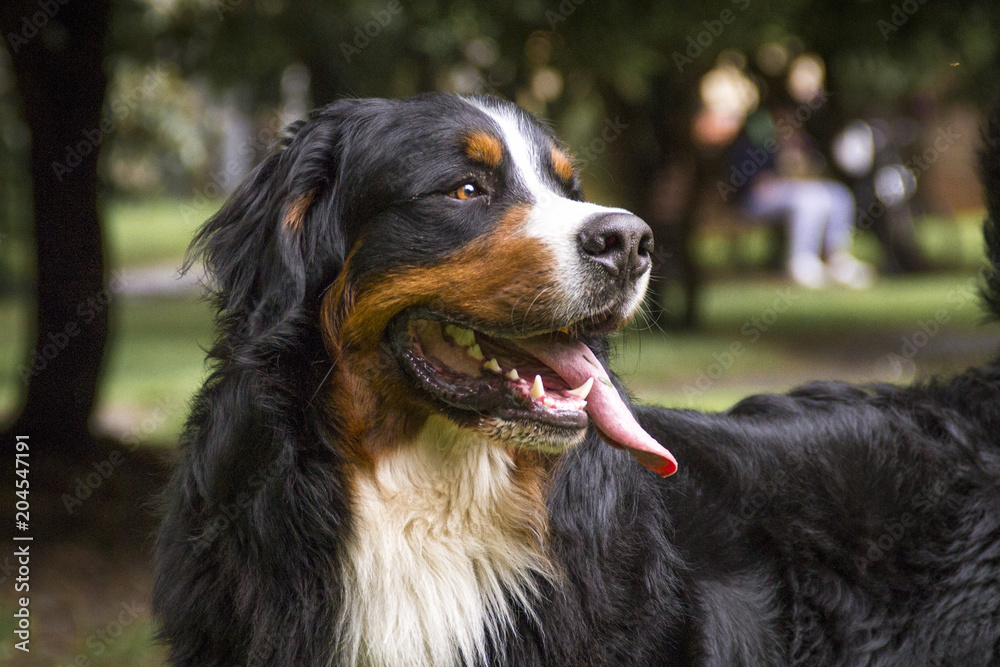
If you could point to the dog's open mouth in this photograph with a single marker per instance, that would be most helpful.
(552, 379)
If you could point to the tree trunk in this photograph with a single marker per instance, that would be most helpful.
(657, 155)
(57, 49)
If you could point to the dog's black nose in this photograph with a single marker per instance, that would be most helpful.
(620, 242)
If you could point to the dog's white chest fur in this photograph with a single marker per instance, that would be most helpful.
(443, 539)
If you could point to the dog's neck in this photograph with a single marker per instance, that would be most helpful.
(449, 533)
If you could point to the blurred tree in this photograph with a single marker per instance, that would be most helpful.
(620, 80)
(57, 50)
(633, 66)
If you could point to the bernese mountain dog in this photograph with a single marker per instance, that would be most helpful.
(410, 449)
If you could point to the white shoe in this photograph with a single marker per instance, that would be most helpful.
(807, 270)
(847, 270)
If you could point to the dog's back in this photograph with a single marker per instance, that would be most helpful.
(835, 525)
(867, 519)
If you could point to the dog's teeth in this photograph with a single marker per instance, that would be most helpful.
(548, 401)
(492, 365)
(583, 390)
(513, 374)
(537, 389)
(476, 353)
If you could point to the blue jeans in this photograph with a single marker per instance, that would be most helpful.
(820, 213)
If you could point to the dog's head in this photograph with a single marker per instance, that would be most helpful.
(442, 247)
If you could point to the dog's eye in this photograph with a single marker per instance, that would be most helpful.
(466, 190)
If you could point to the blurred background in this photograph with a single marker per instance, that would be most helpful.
(125, 123)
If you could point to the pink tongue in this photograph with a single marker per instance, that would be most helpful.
(575, 363)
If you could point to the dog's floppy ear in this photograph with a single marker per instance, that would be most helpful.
(269, 253)
(262, 250)
(258, 460)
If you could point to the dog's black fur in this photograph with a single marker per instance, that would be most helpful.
(834, 525)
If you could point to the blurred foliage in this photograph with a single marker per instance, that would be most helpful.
(876, 51)
(176, 65)
(561, 58)
(390, 47)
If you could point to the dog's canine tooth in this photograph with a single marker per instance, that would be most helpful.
(492, 365)
(537, 389)
(512, 375)
(476, 353)
(583, 390)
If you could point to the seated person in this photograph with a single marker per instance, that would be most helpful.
(783, 184)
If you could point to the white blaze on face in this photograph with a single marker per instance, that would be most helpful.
(555, 220)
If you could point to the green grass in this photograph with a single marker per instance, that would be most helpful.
(152, 232)
(136, 233)
(947, 244)
(14, 315)
(164, 337)
(155, 362)
(106, 645)
(765, 335)
(891, 303)
(785, 335)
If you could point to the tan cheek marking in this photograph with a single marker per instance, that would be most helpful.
(562, 165)
(296, 211)
(498, 279)
(370, 409)
(485, 148)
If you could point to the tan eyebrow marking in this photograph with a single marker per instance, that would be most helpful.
(484, 147)
(561, 164)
